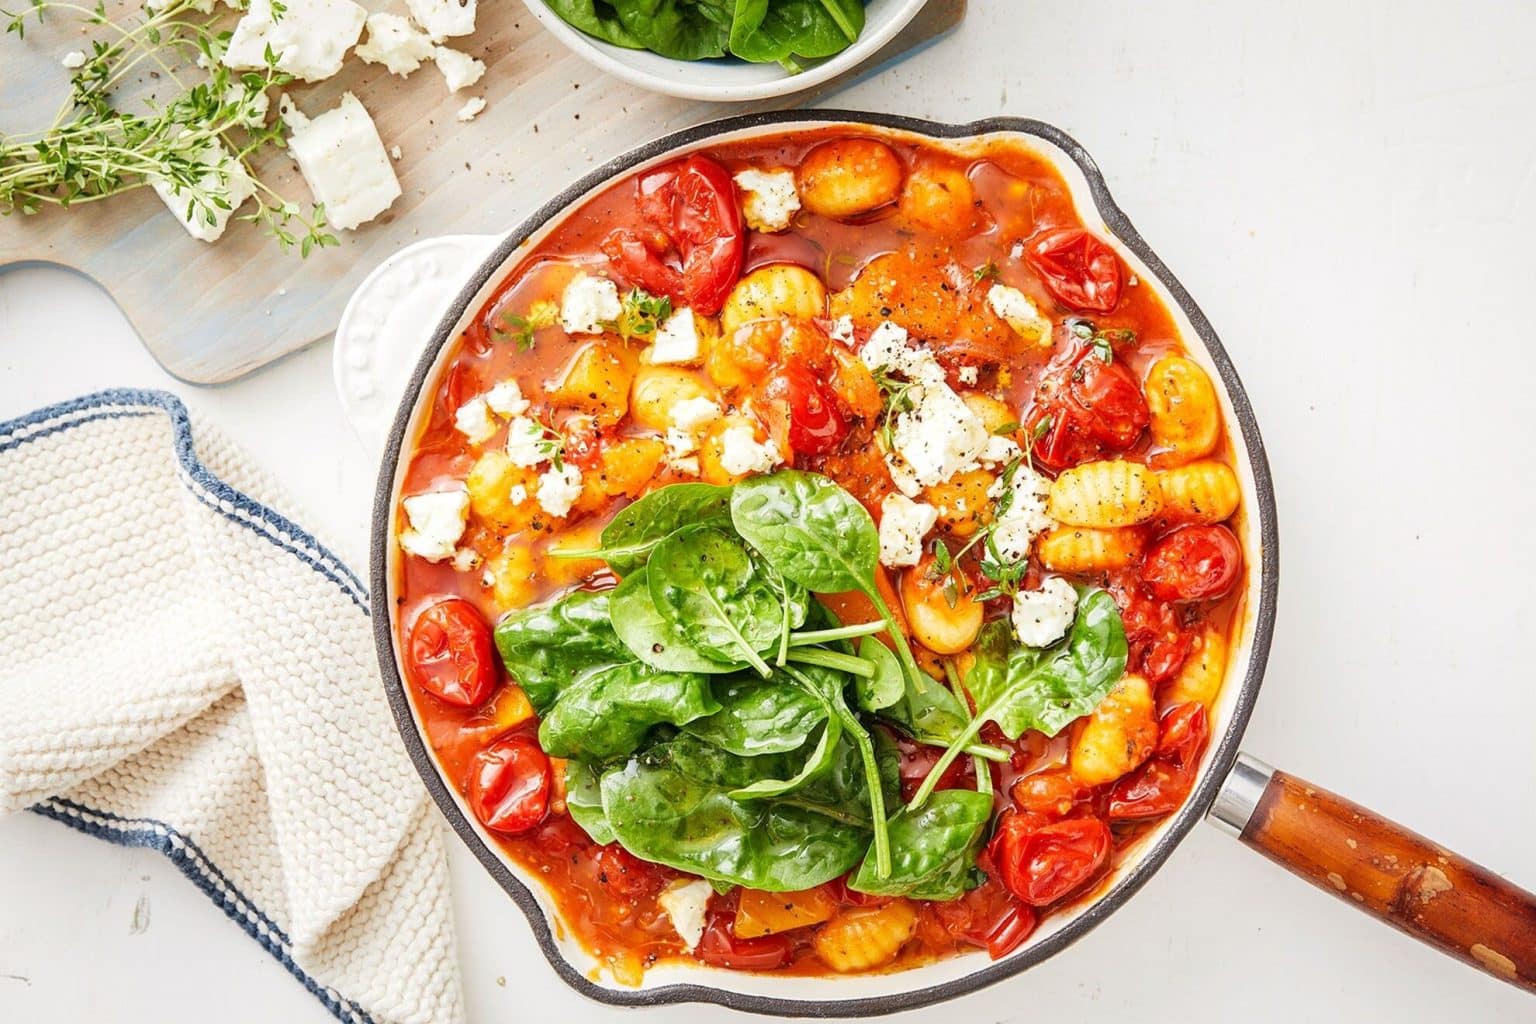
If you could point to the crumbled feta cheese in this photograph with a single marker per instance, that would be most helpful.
(559, 488)
(587, 303)
(1022, 501)
(1041, 617)
(769, 201)
(523, 442)
(677, 340)
(687, 466)
(999, 451)
(289, 113)
(223, 178)
(436, 521)
(309, 37)
(466, 560)
(903, 522)
(686, 904)
(471, 108)
(460, 70)
(256, 104)
(74, 59)
(692, 413)
(394, 42)
(1014, 308)
(443, 18)
(742, 455)
(473, 419)
(344, 162)
(968, 375)
(842, 330)
(518, 494)
(506, 399)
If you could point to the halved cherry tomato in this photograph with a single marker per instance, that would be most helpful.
(1194, 563)
(1085, 408)
(815, 427)
(1041, 864)
(509, 784)
(450, 655)
(690, 209)
(1160, 786)
(1158, 640)
(1053, 792)
(721, 947)
(918, 759)
(1078, 268)
(626, 875)
(1009, 930)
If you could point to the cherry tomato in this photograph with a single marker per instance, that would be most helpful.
(1084, 409)
(1009, 930)
(1043, 863)
(720, 946)
(1161, 785)
(1079, 269)
(450, 655)
(815, 427)
(1158, 640)
(626, 875)
(509, 784)
(1194, 563)
(690, 209)
(1053, 792)
(918, 759)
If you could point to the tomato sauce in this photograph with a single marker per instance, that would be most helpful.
(937, 276)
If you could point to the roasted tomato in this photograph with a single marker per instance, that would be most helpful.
(987, 916)
(812, 422)
(509, 784)
(1157, 637)
(1195, 563)
(450, 654)
(692, 250)
(1078, 268)
(626, 875)
(1084, 409)
(721, 947)
(1053, 793)
(1041, 862)
(1160, 786)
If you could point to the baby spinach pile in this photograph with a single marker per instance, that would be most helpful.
(717, 717)
(762, 31)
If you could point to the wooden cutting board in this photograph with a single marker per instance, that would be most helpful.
(210, 313)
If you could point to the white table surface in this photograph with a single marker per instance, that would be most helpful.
(1350, 192)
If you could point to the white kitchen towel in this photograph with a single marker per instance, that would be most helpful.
(185, 669)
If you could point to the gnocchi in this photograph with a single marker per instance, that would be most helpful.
(1185, 420)
(847, 177)
(1204, 669)
(863, 937)
(1119, 735)
(1105, 494)
(939, 196)
(655, 390)
(1204, 491)
(941, 618)
(780, 290)
(1084, 549)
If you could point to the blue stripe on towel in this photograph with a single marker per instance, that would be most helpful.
(281, 533)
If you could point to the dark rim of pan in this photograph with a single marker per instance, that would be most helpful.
(1102, 906)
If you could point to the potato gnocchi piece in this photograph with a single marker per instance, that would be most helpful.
(1185, 419)
(1080, 549)
(846, 177)
(1204, 670)
(1119, 735)
(500, 493)
(936, 624)
(863, 937)
(779, 290)
(939, 197)
(514, 575)
(1204, 491)
(1105, 494)
(656, 389)
(962, 501)
(597, 382)
(994, 414)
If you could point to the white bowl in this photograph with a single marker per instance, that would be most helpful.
(728, 80)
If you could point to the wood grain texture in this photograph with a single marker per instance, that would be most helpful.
(210, 313)
(1398, 876)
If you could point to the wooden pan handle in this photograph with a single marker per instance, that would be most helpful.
(1396, 875)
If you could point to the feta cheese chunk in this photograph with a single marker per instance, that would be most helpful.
(686, 904)
(344, 163)
(903, 523)
(223, 178)
(559, 488)
(443, 18)
(460, 70)
(677, 340)
(1014, 308)
(588, 303)
(1021, 512)
(309, 37)
(999, 451)
(506, 399)
(769, 201)
(256, 104)
(74, 59)
(968, 375)
(685, 420)
(842, 331)
(396, 43)
(471, 108)
(742, 455)
(1041, 617)
(473, 420)
(436, 521)
(524, 437)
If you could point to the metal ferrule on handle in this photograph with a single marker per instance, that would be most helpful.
(1239, 795)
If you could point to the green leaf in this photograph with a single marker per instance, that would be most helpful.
(933, 851)
(819, 761)
(584, 802)
(787, 31)
(546, 647)
(758, 717)
(887, 686)
(704, 583)
(680, 29)
(596, 18)
(641, 525)
(651, 636)
(609, 712)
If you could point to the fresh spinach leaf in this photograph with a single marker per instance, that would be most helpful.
(933, 851)
(779, 31)
(887, 686)
(706, 586)
(639, 526)
(597, 19)
(584, 801)
(759, 718)
(547, 647)
(819, 760)
(651, 636)
(680, 29)
(607, 713)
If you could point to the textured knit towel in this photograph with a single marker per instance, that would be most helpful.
(184, 668)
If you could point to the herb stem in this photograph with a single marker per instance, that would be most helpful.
(819, 636)
(836, 660)
(916, 676)
(983, 770)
